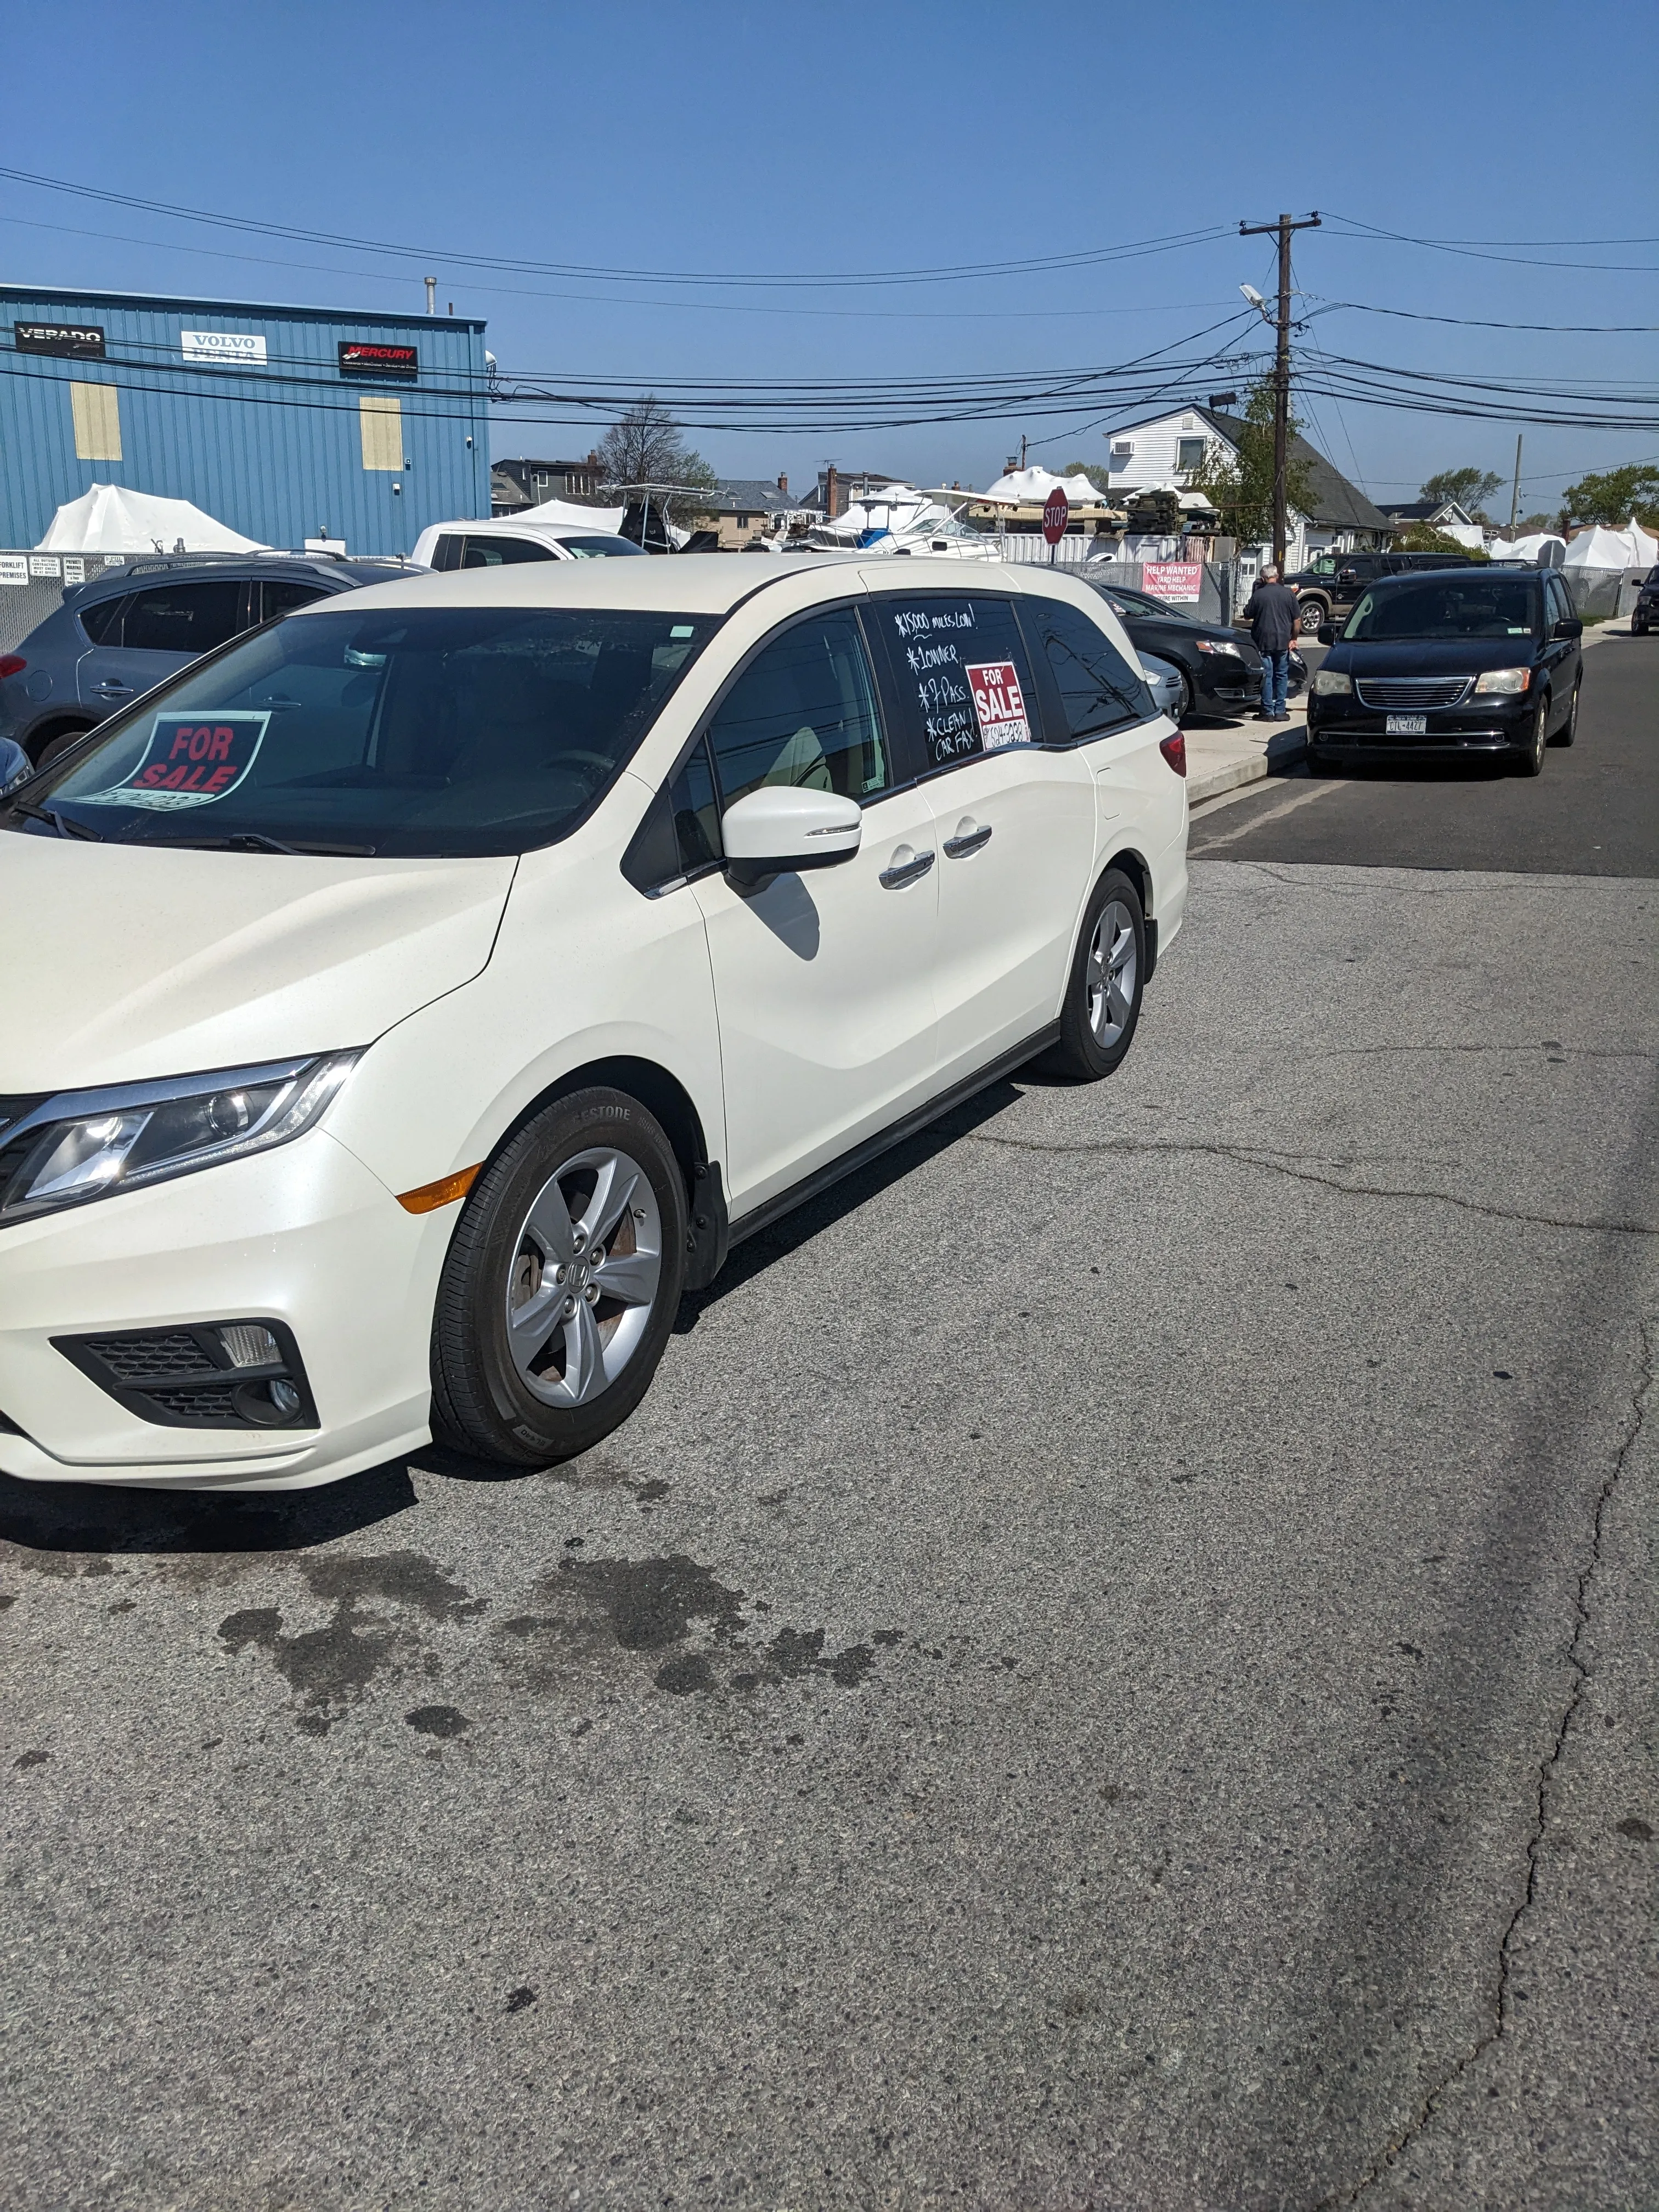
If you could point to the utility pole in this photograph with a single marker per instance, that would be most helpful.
(1514, 497)
(1284, 226)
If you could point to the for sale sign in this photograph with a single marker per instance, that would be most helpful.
(190, 760)
(998, 704)
(1173, 579)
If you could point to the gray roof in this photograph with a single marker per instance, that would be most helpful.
(748, 496)
(1333, 503)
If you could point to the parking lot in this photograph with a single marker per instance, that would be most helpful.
(1114, 1667)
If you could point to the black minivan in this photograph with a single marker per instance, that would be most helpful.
(1467, 660)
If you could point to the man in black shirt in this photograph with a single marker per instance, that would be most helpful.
(1271, 613)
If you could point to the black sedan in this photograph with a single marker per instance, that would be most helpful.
(1220, 671)
(1476, 660)
(1645, 613)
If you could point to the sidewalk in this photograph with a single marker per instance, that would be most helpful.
(1222, 756)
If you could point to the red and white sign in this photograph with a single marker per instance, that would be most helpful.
(999, 704)
(1056, 513)
(190, 760)
(1172, 580)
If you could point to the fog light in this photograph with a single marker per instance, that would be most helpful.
(247, 1345)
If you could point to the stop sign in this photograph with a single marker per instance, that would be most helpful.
(1056, 513)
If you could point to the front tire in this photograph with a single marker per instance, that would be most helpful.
(562, 1284)
(1310, 615)
(1530, 761)
(1101, 1006)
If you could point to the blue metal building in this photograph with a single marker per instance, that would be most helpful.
(285, 422)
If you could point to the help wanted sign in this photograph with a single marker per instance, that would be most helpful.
(190, 760)
(999, 704)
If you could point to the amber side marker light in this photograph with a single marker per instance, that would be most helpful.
(431, 1195)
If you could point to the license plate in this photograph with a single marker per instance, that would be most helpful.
(1408, 725)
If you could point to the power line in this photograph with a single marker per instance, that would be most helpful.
(1477, 323)
(948, 273)
(1475, 251)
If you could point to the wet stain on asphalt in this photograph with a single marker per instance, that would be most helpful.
(329, 1667)
(438, 1720)
(673, 1607)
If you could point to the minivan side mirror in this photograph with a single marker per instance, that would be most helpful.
(16, 767)
(781, 830)
(1569, 626)
(1327, 633)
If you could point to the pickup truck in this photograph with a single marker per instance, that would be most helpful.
(1329, 586)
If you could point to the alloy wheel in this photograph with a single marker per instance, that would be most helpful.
(1110, 980)
(583, 1277)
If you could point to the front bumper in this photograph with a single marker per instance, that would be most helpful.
(304, 1234)
(1337, 723)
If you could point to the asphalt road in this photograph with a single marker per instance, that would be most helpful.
(1594, 811)
(1116, 1668)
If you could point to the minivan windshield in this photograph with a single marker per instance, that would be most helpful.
(1450, 607)
(430, 731)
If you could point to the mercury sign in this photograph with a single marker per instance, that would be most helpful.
(241, 348)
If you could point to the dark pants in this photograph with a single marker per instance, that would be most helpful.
(1275, 675)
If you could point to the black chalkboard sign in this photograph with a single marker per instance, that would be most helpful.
(963, 661)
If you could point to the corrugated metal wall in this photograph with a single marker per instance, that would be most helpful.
(275, 449)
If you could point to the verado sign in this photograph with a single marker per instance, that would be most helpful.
(73, 341)
(242, 349)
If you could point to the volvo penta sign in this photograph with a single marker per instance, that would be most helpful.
(238, 349)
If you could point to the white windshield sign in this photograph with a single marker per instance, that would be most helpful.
(191, 760)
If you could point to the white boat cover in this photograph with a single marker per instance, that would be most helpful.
(1598, 547)
(1526, 548)
(1030, 487)
(561, 516)
(110, 518)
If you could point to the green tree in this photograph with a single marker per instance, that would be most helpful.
(1615, 496)
(1470, 488)
(645, 447)
(1423, 538)
(1240, 485)
(1098, 476)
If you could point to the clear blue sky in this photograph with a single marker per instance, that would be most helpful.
(737, 137)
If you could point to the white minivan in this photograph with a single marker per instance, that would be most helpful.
(430, 986)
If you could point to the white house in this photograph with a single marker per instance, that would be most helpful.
(1166, 449)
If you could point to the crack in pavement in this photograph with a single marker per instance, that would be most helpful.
(1261, 1157)
(1502, 2008)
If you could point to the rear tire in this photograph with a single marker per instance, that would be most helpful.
(57, 739)
(1101, 1006)
(562, 1284)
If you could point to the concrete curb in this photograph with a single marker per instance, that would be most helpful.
(1252, 765)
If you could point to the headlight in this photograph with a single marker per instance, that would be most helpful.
(1504, 679)
(1214, 645)
(90, 1144)
(1328, 680)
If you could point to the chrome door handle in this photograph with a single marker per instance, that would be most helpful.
(975, 840)
(906, 871)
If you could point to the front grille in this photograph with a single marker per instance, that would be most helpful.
(146, 1358)
(1416, 693)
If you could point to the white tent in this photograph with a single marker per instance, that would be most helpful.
(1598, 547)
(1531, 549)
(1469, 535)
(110, 518)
